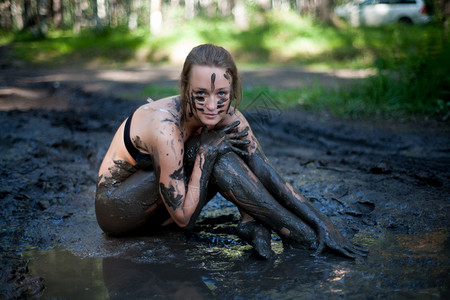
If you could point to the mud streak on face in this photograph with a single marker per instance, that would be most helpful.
(213, 80)
(228, 76)
(220, 104)
(191, 104)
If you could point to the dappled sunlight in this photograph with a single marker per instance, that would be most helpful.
(415, 247)
(26, 99)
(142, 75)
(338, 274)
(177, 53)
(430, 243)
(346, 73)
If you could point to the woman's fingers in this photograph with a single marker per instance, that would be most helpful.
(360, 248)
(320, 249)
(340, 244)
(350, 251)
(238, 135)
(239, 142)
(231, 126)
(357, 251)
(349, 254)
(239, 151)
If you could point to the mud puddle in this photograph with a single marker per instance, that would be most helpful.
(399, 267)
(386, 187)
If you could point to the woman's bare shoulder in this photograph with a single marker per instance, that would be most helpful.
(157, 121)
(169, 104)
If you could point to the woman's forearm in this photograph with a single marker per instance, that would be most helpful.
(283, 191)
(206, 148)
(197, 188)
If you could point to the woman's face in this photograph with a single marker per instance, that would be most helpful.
(210, 89)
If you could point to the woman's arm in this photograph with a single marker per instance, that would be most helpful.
(180, 197)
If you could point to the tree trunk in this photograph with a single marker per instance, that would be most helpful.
(42, 12)
(77, 21)
(57, 13)
(5, 15)
(225, 7)
(240, 15)
(132, 16)
(155, 17)
(97, 19)
(325, 10)
(189, 7)
(445, 8)
(26, 13)
(16, 15)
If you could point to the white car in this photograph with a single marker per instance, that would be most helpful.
(380, 12)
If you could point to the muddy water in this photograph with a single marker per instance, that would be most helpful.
(386, 187)
(399, 267)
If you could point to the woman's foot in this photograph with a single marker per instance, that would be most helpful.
(258, 236)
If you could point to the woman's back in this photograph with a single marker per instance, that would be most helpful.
(151, 124)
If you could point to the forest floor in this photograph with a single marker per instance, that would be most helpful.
(385, 185)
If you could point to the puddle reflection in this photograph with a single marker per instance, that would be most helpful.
(126, 279)
(398, 266)
(67, 276)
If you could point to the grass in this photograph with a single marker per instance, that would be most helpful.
(413, 67)
(376, 97)
(63, 47)
(382, 96)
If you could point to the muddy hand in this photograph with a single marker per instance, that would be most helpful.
(235, 138)
(331, 238)
(219, 142)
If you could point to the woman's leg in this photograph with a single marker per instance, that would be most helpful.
(248, 229)
(128, 202)
(132, 203)
(238, 184)
(256, 234)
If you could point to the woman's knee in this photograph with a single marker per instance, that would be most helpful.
(117, 215)
(108, 216)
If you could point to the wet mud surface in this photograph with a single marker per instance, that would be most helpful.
(384, 186)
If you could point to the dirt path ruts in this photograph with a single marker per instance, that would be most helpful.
(371, 179)
(24, 84)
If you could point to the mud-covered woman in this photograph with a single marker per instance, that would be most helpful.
(171, 156)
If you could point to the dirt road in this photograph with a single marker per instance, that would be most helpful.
(384, 185)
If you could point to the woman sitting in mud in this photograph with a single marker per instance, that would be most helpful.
(173, 155)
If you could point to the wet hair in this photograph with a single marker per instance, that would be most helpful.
(212, 56)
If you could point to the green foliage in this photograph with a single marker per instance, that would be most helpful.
(159, 92)
(108, 46)
(277, 37)
(379, 96)
(6, 37)
(411, 62)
